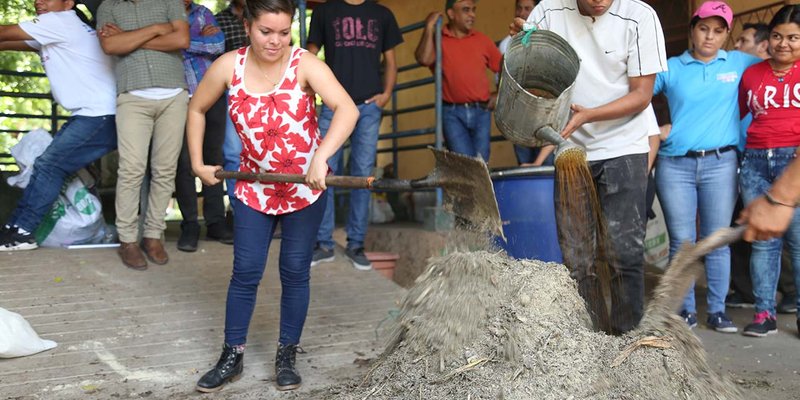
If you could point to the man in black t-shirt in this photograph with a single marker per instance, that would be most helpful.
(354, 34)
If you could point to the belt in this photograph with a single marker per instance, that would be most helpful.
(475, 104)
(703, 153)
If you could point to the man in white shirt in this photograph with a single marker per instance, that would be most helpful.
(82, 81)
(621, 47)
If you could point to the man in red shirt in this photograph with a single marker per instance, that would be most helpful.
(466, 54)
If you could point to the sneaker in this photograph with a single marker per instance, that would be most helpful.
(358, 258)
(763, 324)
(690, 318)
(14, 240)
(788, 304)
(721, 323)
(736, 300)
(322, 255)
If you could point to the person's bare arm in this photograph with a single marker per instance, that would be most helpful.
(17, 45)
(637, 99)
(426, 49)
(211, 87)
(312, 48)
(389, 79)
(544, 152)
(176, 40)
(655, 143)
(117, 42)
(13, 33)
(766, 220)
(316, 75)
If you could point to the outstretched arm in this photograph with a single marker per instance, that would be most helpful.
(12, 37)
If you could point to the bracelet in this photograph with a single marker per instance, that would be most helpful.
(771, 200)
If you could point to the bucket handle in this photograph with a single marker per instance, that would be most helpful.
(526, 39)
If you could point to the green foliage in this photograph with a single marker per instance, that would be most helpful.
(12, 12)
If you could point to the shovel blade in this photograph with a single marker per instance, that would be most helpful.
(468, 191)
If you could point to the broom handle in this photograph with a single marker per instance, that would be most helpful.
(351, 182)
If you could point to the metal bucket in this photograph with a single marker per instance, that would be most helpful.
(535, 88)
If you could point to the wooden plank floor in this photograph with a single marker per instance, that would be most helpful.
(129, 334)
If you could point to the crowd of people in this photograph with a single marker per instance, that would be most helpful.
(182, 93)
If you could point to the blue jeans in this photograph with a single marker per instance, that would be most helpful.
(79, 142)
(252, 232)
(467, 130)
(760, 168)
(363, 148)
(231, 150)
(689, 187)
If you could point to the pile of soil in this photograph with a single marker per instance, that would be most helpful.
(478, 325)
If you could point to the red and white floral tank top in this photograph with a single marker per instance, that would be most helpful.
(279, 134)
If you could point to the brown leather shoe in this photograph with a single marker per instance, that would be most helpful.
(131, 256)
(154, 250)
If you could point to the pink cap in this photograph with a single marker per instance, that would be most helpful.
(715, 9)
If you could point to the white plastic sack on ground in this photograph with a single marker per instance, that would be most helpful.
(656, 239)
(31, 145)
(380, 211)
(17, 338)
(75, 218)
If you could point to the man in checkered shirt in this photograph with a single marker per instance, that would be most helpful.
(146, 38)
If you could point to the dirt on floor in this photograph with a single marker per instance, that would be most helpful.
(479, 325)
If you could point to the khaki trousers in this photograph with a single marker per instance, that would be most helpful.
(147, 130)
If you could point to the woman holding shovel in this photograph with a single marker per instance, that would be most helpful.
(696, 166)
(269, 87)
(770, 91)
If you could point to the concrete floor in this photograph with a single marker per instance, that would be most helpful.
(127, 334)
(764, 368)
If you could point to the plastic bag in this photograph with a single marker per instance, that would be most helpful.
(17, 337)
(31, 146)
(656, 239)
(380, 211)
(75, 218)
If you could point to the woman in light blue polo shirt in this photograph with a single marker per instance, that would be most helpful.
(696, 170)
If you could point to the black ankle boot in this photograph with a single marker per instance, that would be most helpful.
(286, 376)
(228, 369)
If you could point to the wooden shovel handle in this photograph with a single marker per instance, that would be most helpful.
(351, 182)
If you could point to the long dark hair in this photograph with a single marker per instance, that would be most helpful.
(786, 15)
(254, 8)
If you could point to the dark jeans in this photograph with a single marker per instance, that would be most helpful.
(252, 235)
(621, 185)
(79, 142)
(467, 130)
(185, 189)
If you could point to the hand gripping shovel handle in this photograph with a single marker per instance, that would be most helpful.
(351, 182)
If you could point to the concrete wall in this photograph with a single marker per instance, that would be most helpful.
(493, 19)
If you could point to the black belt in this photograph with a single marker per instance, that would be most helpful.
(703, 153)
(475, 104)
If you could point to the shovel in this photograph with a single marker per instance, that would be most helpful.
(465, 181)
(684, 269)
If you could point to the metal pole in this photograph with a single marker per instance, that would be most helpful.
(53, 117)
(301, 6)
(395, 126)
(438, 101)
